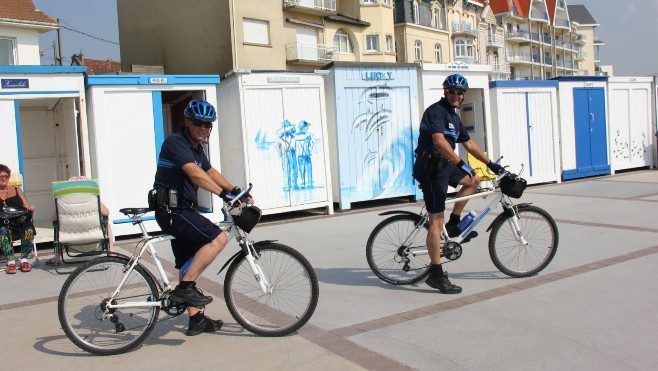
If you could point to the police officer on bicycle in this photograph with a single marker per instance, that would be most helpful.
(437, 166)
(182, 168)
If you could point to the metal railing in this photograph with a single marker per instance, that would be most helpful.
(466, 60)
(319, 5)
(498, 67)
(310, 52)
(464, 27)
(519, 57)
(496, 40)
(539, 14)
(562, 23)
(518, 35)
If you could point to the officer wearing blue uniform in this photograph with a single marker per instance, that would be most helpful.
(183, 167)
(437, 166)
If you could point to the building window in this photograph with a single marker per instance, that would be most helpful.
(387, 2)
(7, 52)
(342, 42)
(389, 44)
(418, 50)
(370, 1)
(372, 43)
(256, 31)
(460, 48)
(469, 48)
(438, 57)
(415, 18)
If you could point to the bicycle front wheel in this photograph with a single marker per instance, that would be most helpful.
(291, 297)
(390, 250)
(82, 306)
(514, 258)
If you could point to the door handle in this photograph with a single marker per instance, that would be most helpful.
(591, 117)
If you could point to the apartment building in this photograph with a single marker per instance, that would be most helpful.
(223, 35)
(433, 31)
(588, 45)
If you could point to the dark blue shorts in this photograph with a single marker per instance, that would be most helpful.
(435, 185)
(191, 229)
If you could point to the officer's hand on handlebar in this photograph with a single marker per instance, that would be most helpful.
(463, 167)
(495, 168)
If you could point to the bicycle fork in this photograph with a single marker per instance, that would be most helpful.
(518, 233)
(255, 268)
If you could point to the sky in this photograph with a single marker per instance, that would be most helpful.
(627, 27)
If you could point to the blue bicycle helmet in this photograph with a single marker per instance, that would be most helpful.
(200, 110)
(456, 81)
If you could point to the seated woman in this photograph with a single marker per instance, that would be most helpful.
(13, 197)
(104, 212)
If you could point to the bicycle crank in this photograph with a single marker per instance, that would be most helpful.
(452, 251)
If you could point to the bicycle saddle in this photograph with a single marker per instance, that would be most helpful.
(134, 210)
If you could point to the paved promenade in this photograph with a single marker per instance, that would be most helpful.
(595, 307)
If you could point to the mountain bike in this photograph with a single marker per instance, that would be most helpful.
(523, 239)
(111, 304)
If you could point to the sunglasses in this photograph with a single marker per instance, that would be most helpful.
(207, 125)
(4, 176)
(456, 92)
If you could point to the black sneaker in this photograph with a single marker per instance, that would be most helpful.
(452, 230)
(443, 284)
(207, 324)
(191, 296)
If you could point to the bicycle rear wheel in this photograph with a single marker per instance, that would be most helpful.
(513, 258)
(291, 298)
(82, 301)
(390, 258)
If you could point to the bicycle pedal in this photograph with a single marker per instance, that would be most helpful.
(470, 236)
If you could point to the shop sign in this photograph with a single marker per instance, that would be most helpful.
(15, 83)
(374, 75)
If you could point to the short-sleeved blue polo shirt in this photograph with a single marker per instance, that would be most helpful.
(176, 151)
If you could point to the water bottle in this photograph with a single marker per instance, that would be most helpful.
(466, 222)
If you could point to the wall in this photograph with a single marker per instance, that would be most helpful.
(26, 44)
(151, 36)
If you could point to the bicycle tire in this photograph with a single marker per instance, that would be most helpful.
(81, 300)
(288, 306)
(384, 250)
(541, 233)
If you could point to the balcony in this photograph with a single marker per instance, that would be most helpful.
(548, 60)
(539, 15)
(310, 53)
(466, 60)
(562, 23)
(580, 56)
(313, 7)
(463, 29)
(580, 39)
(518, 36)
(498, 66)
(564, 44)
(495, 41)
(519, 57)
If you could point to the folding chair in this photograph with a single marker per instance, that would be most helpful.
(480, 168)
(80, 230)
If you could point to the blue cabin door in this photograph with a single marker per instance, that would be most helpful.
(590, 131)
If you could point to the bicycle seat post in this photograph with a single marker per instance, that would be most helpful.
(138, 220)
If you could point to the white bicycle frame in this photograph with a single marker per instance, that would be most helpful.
(227, 226)
(498, 199)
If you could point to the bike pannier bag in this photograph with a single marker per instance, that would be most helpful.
(248, 218)
(513, 187)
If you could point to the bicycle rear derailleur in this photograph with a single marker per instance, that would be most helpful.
(451, 250)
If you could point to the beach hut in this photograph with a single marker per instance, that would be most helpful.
(583, 111)
(129, 118)
(44, 130)
(372, 113)
(631, 129)
(273, 133)
(525, 128)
